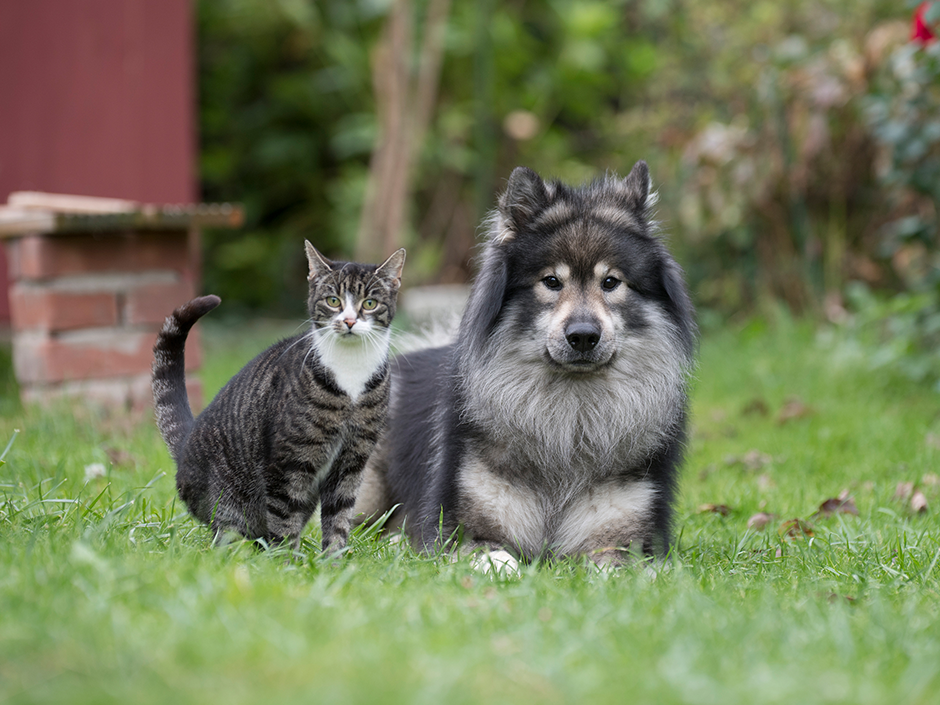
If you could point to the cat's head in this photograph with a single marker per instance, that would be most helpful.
(351, 300)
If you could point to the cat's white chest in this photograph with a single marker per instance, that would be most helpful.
(354, 360)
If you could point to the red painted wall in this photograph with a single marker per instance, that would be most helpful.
(97, 98)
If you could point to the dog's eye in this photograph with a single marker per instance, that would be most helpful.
(552, 283)
(610, 283)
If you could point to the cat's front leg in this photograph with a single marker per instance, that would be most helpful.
(291, 500)
(338, 492)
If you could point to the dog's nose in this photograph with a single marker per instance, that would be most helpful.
(582, 335)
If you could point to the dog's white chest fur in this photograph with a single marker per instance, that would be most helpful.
(600, 517)
(355, 361)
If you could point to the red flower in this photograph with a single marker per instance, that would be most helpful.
(921, 32)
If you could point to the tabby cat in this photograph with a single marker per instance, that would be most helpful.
(295, 426)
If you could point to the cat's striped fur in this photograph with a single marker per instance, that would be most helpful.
(296, 425)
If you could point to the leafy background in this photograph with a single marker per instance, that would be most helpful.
(795, 144)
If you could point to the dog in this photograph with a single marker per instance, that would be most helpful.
(554, 424)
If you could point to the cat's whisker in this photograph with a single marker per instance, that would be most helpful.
(308, 323)
(309, 352)
(395, 339)
(310, 335)
(381, 342)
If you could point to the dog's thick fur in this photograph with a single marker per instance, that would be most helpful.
(554, 425)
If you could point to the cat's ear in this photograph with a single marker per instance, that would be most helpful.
(319, 265)
(391, 268)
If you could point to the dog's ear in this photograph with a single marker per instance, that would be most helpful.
(486, 301)
(683, 312)
(635, 188)
(525, 196)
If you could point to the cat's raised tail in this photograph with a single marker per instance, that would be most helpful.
(170, 400)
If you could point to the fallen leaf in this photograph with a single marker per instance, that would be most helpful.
(835, 597)
(759, 521)
(765, 482)
(794, 408)
(722, 509)
(795, 529)
(119, 457)
(719, 415)
(706, 471)
(843, 504)
(904, 490)
(753, 460)
(918, 502)
(756, 407)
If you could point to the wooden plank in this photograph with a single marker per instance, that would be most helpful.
(68, 203)
(20, 221)
(17, 221)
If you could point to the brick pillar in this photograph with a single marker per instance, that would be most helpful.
(85, 309)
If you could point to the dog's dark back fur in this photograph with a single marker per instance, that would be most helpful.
(477, 402)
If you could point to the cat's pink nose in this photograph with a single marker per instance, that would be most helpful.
(350, 322)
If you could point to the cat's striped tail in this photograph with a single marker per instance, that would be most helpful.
(170, 400)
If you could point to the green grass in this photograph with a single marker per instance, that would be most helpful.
(109, 592)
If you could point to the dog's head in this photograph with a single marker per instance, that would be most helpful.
(581, 269)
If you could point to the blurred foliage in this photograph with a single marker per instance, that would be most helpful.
(904, 113)
(899, 332)
(793, 142)
(285, 128)
(779, 194)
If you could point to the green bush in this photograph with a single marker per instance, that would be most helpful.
(903, 110)
(286, 128)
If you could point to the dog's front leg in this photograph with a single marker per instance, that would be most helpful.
(489, 557)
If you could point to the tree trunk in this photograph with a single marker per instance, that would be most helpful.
(405, 105)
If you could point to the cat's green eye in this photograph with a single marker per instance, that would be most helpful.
(369, 304)
(333, 302)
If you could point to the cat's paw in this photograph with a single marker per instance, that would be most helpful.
(496, 562)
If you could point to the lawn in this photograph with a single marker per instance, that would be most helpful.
(109, 592)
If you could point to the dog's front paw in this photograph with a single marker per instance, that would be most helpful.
(496, 562)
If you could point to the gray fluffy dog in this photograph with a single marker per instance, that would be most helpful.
(554, 425)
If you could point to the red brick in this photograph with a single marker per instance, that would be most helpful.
(193, 349)
(11, 247)
(133, 393)
(194, 390)
(141, 394)
(47, 359)
(42, 308)
(152, 303)
(46, 256)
